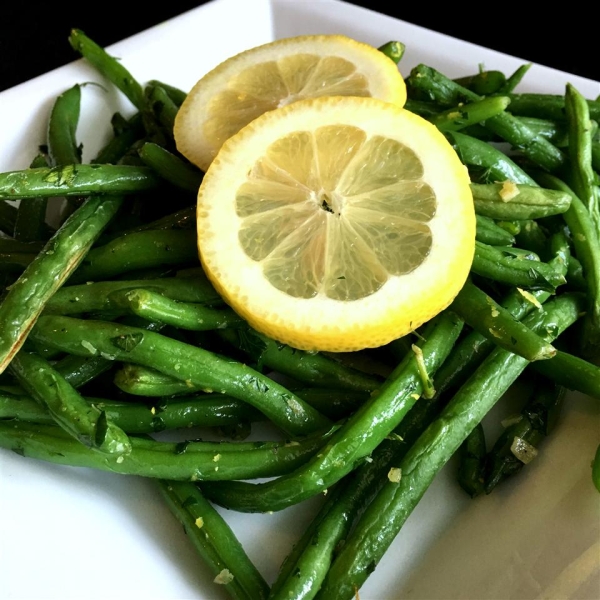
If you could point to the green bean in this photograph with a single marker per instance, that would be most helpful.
(76, 180)
(175, 94)
(30, 224)
(532, 237)
(62, 128)
(214, 541)
(185, 461)
(8, 217)
(580, 152)
(596, 469)
(141, 381)
(181, 361)
(513, 80)
(501, 265)
(60, 257)
(385, 516)
(15, 262)
(77, 371)
(306, 367)
(185, 315)
(83, 422)
(126, 133)
(95, 297)
(572, 372)
(208, 410)
(512, 227)
(359, 435)
(596, 156)
(448, 93)
(170, 167)
(138, 251)
(162, 106)
(575, 277)
(587, 248)
(109, 67)
(393, 50)
(497, 165)
(507, 201)
(516, 445)
(484, 82)
(547, 106)
(422, 108)
(468, 114)
(494, 322)
(471, 468)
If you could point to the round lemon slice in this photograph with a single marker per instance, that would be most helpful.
(274, 75)
(337, 223)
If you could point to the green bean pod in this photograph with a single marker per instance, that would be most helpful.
(501, 265)
(507, 201)
(547, 106)
(465, 115)
(76, 180)
(517, 444)
(477, 153)
(60, 257)
(170, 167)
(185, 461)
(95, 297)
(184, 315)
(471, 469)
(83, 422)
(306, 367)
(108, 66)
(138, 251)
(214, 541)
(494, 322)
(181, 361)
(393, 50)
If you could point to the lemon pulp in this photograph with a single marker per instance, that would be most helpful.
(335, 212)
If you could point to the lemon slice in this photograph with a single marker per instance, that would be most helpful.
(337, 223)
(273, 75)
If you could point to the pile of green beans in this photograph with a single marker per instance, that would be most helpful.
(110, 332)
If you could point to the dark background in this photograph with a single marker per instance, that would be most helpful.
(33, 36)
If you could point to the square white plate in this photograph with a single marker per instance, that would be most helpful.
(76, 534)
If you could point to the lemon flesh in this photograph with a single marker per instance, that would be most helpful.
(276, 74)
(336, 213)
(337, 223)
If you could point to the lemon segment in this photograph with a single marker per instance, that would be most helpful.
(337, 223)
(274, 75)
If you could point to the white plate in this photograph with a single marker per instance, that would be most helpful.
(76, 534)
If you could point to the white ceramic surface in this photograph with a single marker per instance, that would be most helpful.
(76, 534)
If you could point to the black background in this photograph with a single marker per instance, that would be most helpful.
(33, 37)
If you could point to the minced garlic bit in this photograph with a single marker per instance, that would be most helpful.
(188, 383)
(415, 396)
(216, 458)
(580, 237)
(523, 450)
(120, 459)
(529, 297)
(224, 577)
(495, 333)
(153, 410)
(89, 347)
(509, 191)
(495, 312)
(199, 522)
(395, 475)
(512, 420)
